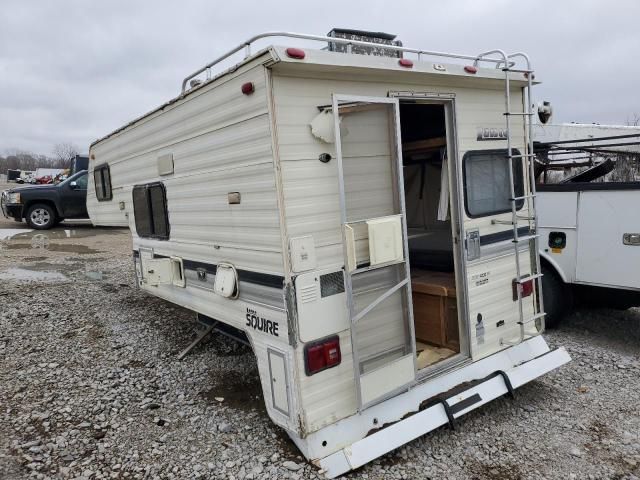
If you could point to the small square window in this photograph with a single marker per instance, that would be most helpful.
(102, 181)
(486, 182)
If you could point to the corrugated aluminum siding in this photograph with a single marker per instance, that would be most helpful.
(221, 142)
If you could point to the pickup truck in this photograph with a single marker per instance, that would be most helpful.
(44, 206)
(589, 246)
(588, 222)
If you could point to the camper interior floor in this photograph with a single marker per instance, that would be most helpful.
(429, 355)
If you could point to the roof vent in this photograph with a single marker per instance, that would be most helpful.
(365, 36)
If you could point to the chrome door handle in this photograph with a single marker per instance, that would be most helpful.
(631, 239)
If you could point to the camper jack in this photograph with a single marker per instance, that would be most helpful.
(364, 214)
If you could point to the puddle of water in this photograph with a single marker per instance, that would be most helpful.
(24, 274)
(58, 233)
(94, 275)
(53, 247)
(6, 233)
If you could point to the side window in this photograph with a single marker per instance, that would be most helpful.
(81, 181)
(486, 182)
(150, 211)
(102, 181)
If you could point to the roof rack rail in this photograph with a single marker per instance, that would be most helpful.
(483, 57)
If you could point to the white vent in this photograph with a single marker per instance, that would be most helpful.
(322, 304)
(165, 164)
(308, 293)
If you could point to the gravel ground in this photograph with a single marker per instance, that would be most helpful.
(90, 387)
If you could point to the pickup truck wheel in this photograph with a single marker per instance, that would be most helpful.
(558, 297)
(41, 216)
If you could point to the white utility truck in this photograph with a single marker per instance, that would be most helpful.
(363, 213)
(589, 228)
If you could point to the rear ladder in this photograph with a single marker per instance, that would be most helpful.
(530, 198)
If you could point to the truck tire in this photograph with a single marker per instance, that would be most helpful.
(557, 296)
(41, 216)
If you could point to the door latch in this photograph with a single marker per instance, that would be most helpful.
(473, 244)
(631, 239)
(202, 274)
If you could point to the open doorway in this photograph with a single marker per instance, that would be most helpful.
(430, 239)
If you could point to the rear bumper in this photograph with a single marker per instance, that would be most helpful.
(443, 409)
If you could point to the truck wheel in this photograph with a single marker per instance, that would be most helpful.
(41, 216)
(558, 297)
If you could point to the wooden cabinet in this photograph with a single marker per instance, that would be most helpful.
(435, 310)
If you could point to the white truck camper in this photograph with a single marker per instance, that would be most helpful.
(362, 212)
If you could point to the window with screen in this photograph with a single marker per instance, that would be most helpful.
(150, 211)
(486, 182)
(102, 181)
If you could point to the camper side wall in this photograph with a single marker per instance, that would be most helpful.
(211, 154)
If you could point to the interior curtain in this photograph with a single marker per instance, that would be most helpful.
(443, 205)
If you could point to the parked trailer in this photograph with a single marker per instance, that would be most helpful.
(366, 220)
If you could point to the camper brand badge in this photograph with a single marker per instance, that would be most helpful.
(260, 323)
(487, 133)
(480, 278)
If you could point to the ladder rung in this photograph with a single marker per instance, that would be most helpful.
(524, 155)
(525, 239)
(516, 70)
(523, 197)
(530, 277)
(527, 114)
(533, 319)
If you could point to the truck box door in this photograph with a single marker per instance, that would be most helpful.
(604, 257)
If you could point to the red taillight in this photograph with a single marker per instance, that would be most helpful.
(248, 88)
(470, 69)
(321, 355)
(526, 289)
(295, 53)
(405, 62)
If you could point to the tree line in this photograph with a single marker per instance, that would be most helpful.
(61, 157)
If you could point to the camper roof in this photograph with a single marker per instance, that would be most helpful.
(481, 68)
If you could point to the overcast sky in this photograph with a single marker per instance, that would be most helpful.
(72, 71)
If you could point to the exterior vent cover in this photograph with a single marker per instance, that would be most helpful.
(331, 284)
(307, 293)
(365, 36)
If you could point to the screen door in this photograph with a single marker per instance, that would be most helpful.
(377, 275)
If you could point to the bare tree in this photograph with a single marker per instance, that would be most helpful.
(64, 153)
(633, 120)
(16, 159)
